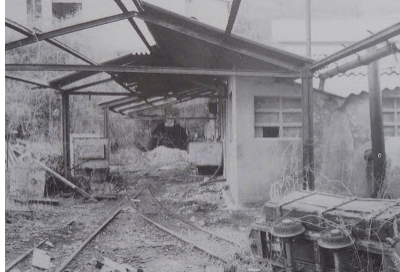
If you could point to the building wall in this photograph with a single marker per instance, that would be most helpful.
(346, 137)
(257, 166)
(258, 169)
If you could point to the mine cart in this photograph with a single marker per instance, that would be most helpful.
(312, 231)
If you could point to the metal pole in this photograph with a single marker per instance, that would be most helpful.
(308, 133)
(66, 135)
(308, 28)
(376, 121)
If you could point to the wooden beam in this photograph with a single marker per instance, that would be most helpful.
(375, 39)
(147, 70)
(69, 29)
(308, 133)
(33, 82)
(232, 17)
(134, 25)
(377, 135)
(66, 135)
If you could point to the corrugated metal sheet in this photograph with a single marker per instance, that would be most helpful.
(330, 36)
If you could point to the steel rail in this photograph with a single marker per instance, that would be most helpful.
(66, 262)
(190, 223)
(23, 256)
(180, 237)
(71, 257)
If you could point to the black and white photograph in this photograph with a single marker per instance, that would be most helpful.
(201, 135)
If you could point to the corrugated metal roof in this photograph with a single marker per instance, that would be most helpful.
(184, 48)
(330, 36)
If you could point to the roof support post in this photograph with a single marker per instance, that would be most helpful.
(377, 135)
(106, 132)
(308, 132)
(66, 135)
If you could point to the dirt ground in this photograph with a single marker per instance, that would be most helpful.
(129, 239)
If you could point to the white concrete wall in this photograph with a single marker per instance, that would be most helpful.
(230, 159)
(256, 163)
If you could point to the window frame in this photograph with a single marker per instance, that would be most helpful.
(396, 114)
(281, 111)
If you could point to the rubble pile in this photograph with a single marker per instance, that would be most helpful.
(164, 156)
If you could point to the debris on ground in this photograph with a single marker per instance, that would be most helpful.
(163, 156)
(107, 265)
(41, 259)
(210, 268)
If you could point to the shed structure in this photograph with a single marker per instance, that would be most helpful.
(265, 118)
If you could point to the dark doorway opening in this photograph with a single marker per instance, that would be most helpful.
(173, 136)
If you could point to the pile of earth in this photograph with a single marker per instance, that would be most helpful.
(163, 156)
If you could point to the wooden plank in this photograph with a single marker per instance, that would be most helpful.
(376, 123)
(148, 70)
(37, 201)
(66, 182)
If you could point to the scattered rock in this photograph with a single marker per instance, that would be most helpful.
(201, 223)
(49, 244)
(41, 259)
(192, 219)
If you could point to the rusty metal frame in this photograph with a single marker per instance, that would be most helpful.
(147, 70)
(34, 82)
(70, 29)
(374, 39)
(133, 24)
(173, 102)
(232, 17)
(164, 24)
(116, 102)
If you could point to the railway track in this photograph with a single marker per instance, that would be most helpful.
(220, 249)
(156, 213)
(147, 207)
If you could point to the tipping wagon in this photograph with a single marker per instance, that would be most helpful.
(313, 231)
